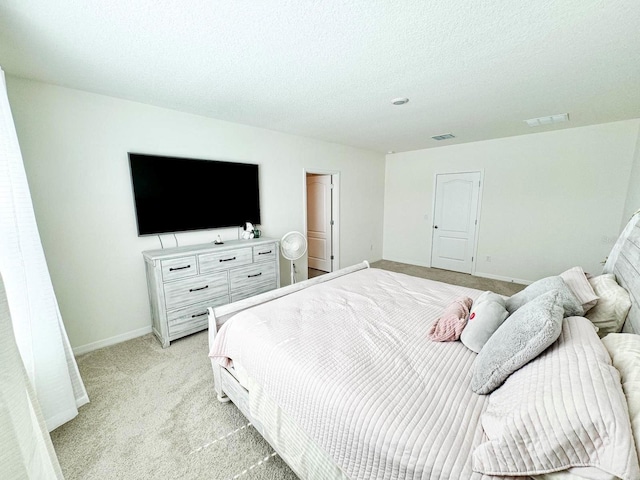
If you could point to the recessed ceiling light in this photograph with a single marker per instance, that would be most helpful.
(399, 101)
(444, 136)
(391, 151)
(559, 118)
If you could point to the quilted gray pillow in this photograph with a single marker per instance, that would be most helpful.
(521, 338)
(572, 306)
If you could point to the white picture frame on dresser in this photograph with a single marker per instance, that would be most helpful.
(184, 281)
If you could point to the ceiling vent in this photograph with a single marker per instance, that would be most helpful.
(444, 136)
(559, 118)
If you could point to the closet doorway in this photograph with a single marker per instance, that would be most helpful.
(321, 221)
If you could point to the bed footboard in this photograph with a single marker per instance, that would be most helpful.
(219, 315)
(217, 369)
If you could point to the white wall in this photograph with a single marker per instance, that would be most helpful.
(75, 148)
(550, 201)
(632, 203)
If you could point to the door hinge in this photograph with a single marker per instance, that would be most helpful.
(476, 221)
(331, 257)
(331, 222)
(331, 186)
(472, 259)
(479, 182)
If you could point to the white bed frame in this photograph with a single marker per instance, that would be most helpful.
(626, 269)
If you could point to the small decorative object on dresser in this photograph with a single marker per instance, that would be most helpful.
(248, 231)
(184, 281)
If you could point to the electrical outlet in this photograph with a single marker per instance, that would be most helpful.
(488, 258)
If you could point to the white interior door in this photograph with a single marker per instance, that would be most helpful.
(455, 221)
(319, 221)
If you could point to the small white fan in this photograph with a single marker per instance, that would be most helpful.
(293, 246)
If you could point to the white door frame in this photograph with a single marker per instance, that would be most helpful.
(335, 210)
(433, 214)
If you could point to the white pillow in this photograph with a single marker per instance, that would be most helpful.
(624, 349)
(577, 282)
(613, 305)
(486, 315)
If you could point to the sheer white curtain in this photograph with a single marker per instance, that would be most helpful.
(37, 323)
(25, 446)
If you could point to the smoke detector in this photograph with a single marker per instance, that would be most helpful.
(400, 101)
(558, 118)
(444, 136)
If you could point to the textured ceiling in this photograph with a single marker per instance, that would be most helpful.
(329, 69)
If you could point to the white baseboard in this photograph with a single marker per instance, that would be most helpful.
(504, 279)
(123, 337)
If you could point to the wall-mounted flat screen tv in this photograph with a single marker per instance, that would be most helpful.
(174, 194)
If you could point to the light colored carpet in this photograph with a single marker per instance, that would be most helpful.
(153, 413)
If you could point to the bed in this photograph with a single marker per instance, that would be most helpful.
(338, 375)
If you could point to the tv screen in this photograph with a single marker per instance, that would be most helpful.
(181, 194)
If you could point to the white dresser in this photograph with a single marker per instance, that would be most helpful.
(184, 281)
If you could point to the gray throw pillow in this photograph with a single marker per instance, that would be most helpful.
(572, 306)
(521, 338)
(486, 315)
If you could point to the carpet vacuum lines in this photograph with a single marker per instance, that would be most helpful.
(207, 445)
(251, 467)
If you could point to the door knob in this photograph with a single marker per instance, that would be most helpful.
(435, 226)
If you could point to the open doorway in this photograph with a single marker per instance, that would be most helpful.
(321, 221)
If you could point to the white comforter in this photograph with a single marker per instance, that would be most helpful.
(350, 363)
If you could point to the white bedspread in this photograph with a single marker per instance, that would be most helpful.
(566, 408)
(350, 362)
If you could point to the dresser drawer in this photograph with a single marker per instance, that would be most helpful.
(193, 316)
(188, 291)
(264, 252)
(255, 290)
(178, 268)
(244, 278)
(210, 262)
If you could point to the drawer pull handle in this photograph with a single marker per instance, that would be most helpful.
(227, 259)
(196, 289)
(256, 275)
(179, 268)
(265, 253)
(198, 315)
